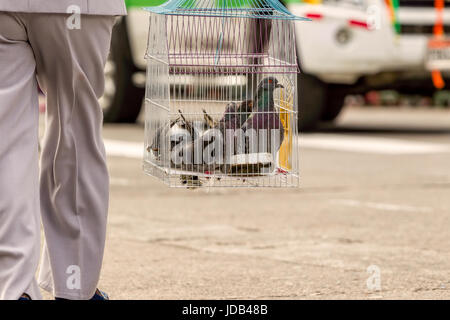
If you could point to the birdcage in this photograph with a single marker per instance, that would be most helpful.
(221, 94)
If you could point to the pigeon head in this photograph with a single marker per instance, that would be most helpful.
(230, 108)
(264, 95)
(269, 83)
(230, 111)
(229, 115)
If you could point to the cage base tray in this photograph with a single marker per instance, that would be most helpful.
(250, 164)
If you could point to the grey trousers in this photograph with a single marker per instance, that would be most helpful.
(69, 189)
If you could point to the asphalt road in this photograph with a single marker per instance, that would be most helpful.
(370, 221)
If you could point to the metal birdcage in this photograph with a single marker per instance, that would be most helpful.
(221, 106)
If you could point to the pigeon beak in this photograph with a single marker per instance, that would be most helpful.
(279, 85)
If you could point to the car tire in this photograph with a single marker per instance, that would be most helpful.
(122, 100)
(311, 101)
(334, 103)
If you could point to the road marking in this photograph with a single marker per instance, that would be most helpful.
(364, 144)
(126, 149)
(381, 206)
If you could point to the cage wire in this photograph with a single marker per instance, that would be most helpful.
(221, 94)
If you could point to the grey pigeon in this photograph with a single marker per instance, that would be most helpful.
(179, 123)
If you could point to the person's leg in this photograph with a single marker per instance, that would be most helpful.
(74, 181)
(19, 188)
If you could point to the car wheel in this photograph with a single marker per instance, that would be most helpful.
(122, 100)
(334, 103)
(311, 101)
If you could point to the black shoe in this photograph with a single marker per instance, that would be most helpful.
(99, 295)
(24, 297)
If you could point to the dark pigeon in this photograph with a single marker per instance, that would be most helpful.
(235, 115)
(264, 115)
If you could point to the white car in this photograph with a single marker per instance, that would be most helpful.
(350, 46)
(357, 45)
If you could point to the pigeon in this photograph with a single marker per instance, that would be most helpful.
(234, 116)
(180, 123)
(156, 146)
(264, 115)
